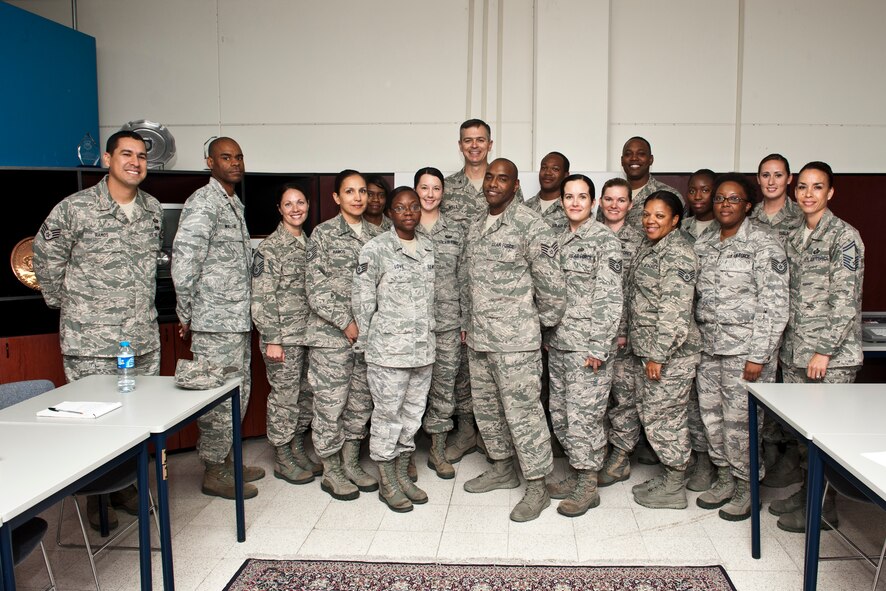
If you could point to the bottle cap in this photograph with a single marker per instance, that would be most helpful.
(124, 343)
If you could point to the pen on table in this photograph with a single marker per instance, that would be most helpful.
(54, 409)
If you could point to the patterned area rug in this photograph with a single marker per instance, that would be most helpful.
(327, 575)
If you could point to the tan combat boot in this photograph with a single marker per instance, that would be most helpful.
(389, 492)
(786, 470)
(560, 489)
(301, 457)
(617, 468)
(534, 501)
(702, 473)
(795, 521)
(719, 494)
(464, 441)
(334, 480)
(286, 468)
(412, 492)
(669, 494)
(437, 457)
(500, 475)
(739, 506)
(350, 461)
(583, 497)
(250, 473)
(218, 481)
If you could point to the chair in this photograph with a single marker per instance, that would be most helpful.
(839, 483)
(29, 535)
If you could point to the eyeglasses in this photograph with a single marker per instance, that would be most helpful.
(414, 208)
(733, 199)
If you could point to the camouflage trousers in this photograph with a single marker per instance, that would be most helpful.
(290, 402)
(77, 366)
(342, 402)
(578, 407)
(441, 398)
(399, 396)
(698, 439)
(724, 409)
(222, 349)
(663, 407)
(624, 419)
(464, 399)
(506, 388)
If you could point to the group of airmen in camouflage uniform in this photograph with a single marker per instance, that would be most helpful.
(437, 313)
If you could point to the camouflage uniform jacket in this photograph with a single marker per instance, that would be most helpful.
(635, 214)
(631, 239)
(784, 222)
(511, 282)
(660, 296)
(554, 216)
(212, 262)
(825, 305)
(332, 256)
(591, 260)
(449, 242)
(279, 304)
(100, 268)
(462, 203)
(690, 228)
(742, 293)
(393, 301)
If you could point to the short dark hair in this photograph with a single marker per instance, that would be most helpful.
(704, 172)
(475, 123)
(750, 190)
(510, 163)
(671, 201)
(289, 187)
(823, 167)
(346, 173)
(775, 156)
(378, 181)
(389, 199)
(617, 182)
(578, 177)
(561, 155)
(112, 142)
(435, 172)
(642, 139)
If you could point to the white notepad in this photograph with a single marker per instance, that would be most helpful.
(79, 410)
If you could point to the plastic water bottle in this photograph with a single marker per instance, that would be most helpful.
(125, 368)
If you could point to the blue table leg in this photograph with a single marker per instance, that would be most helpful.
(144, 523)
(159, 440)
(238, 464)
(755, 475)
(7, 568)
(814, 493)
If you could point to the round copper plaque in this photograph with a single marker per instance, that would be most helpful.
(22, 261)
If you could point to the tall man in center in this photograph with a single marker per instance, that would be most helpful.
(511, 286)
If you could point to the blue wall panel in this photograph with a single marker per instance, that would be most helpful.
(48, 90)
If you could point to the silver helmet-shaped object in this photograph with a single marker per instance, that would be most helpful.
(159, 141)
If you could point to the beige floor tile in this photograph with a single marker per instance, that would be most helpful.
(472, 547)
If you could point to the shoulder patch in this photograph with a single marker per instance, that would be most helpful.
(779, 266)
(550, 249)
(850, 256)
(49, 233)
(615, 265)
(361, 268)
(686, 275)
(312, 251)
(258, 264)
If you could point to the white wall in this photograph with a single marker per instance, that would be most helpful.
(383, 84)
